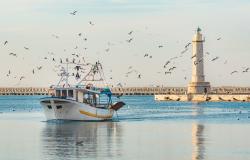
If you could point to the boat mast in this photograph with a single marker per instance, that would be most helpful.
(67, 74)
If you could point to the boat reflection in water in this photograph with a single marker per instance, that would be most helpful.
(70, 140)
(198, 138)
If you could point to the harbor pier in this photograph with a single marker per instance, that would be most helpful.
(24, 91)
(157, 91)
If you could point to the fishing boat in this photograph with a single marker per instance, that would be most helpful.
(83, 101)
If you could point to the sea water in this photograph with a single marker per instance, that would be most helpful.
(143, 129)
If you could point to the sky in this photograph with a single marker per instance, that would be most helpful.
(170, 23)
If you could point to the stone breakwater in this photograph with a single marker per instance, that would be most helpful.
(204, 98)
(161, 93)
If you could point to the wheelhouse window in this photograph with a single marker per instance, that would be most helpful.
(70, 93)
(58, 93)
(49, 107)
(64, 93)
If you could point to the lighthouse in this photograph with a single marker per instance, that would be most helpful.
(198, 84)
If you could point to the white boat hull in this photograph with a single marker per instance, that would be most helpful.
(66, 109)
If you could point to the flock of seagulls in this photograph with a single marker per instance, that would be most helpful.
(168, 67)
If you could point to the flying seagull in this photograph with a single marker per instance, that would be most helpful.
(170, 69)
(187, 45)
(233, 72)
(22, 78)
(168, 72)
(73, 13)
(129, 40)
(39, 67)
(182, 52)
(13, 54)
(246, 70)
(193, 56)
(5, 42)
(166, 64)
(130, 32)
(215, 58)
(107, 49)
(139, 76)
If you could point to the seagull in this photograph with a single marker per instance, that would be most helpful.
(160, 46)
(53, 59)
(168, 72)
(26, 48)
(218, 38)
(173, 58)
(107, 49)
(13, 54)
(193, 56)
(73, 13)
(129, 40)
(184, 51)
(187, 45)
(79, 34)
(170, 69)
(214, 58)
(120, 85)
(145, 55)
(166, 64)
(150, 56)
(33, 71)
(139, 76)
(233, 72)
(22, 78)
(200, 60)
(130, 32)
(91, 23)
(53, 35)
(246, 70)
(39, 67)
(5, 42)
(45, 58)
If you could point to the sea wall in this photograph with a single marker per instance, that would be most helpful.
(202, 97)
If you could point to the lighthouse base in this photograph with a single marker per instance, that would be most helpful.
(199, 87)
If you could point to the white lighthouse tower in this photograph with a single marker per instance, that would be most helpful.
(198, 84)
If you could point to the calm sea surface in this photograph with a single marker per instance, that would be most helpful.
(144, 129)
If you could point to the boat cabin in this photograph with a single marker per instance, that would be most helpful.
(97, 97)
